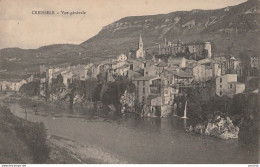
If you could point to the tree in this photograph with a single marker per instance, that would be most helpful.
(89, 87)
(31, 88)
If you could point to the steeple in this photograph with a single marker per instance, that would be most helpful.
(140, 42)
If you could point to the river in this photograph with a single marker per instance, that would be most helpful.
(157, 140)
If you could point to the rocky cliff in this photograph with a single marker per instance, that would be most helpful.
(232, 29)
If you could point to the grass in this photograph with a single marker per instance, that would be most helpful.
(21, 141)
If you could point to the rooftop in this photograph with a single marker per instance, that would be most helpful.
(161, 64)
(183, 74)
(123, 66)
(145, 78)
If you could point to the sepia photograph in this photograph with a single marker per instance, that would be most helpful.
(129, 82)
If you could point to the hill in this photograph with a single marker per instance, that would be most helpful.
(233, 29)
(16, 62)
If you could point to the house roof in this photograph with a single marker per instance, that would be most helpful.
(236, 83)
(255, 91)
(180, 73)
(161, 64)
(183, 74)
(11, 80)
(59, 72)
(191, 64)
(111, 63)
(123, 66)
(205, 61)
(172, 68)
(145, 78)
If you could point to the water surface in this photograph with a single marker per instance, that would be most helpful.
(157, 140)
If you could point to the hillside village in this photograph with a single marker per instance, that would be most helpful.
(145, 89)
(158, 78)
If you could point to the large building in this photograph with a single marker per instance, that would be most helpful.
(198, 49)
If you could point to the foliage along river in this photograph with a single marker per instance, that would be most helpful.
(157, 140)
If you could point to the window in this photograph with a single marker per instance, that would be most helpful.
(230, 85)
(220, 80)
(144, 90)
(220, 93)
(143, 83)
(220, 86)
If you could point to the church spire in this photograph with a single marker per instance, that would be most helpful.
(140, 42)
(140, 39)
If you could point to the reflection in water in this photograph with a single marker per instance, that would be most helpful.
(145, 140)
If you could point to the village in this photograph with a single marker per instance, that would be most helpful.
(159, 78)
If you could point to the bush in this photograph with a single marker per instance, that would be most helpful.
(34, 135)
(31, 88)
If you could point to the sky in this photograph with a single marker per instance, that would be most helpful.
(20, 28)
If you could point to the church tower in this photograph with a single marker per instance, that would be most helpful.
(140, 52)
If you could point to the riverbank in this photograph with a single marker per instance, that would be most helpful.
(21, 143)
(19, 135)
(66, 150)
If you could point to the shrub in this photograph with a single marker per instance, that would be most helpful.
(34, 135)
(31, 88)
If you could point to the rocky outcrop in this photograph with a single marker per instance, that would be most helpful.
(111, 107)
(219, 127)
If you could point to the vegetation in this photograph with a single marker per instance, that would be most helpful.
(111, 92)
(31, 88)
(32, 135)
(242, 109)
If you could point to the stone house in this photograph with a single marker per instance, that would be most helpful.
(205, 70)
(67, 78)
(136, 65)
(222, 64)
(155, 69)
(177, 62)
(123, 70)
(228, 85)
(133, 74)
(254, 62)
(146, 86)
(12, 84)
